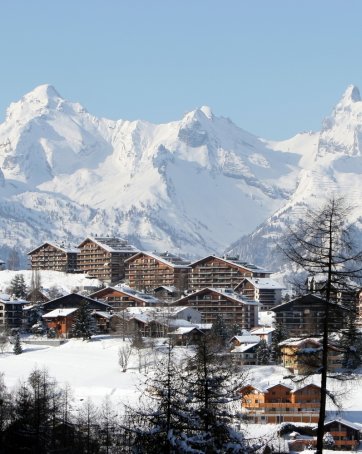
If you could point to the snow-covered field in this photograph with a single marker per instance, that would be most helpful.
(91, 369)
(65, 282)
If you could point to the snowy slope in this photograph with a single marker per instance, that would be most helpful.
(192, 185)
(330, 164)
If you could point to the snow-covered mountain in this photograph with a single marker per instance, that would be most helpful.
(190, 186)
(330, 164)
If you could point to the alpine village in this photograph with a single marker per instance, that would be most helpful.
(234, 316)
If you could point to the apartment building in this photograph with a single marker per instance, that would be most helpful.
(212, 271)
(104, 257)
(232, 307)
(262, 289)
(51, 256)
(146, 271)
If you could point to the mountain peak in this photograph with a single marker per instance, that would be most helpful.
(351, 95)
(206, 110)
(43, 92)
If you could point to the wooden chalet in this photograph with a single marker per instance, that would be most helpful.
(73, 300)
(303, 355)
(304, 316)
(121, 297)
(186, 335)
(346, 434)
(104, 258)
(60, 320)
(231, 306)
(212, 271)
(51, 256)
(262, 289)
(281, 403)
(146, 271)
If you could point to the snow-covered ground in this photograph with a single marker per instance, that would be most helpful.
(91, 369)
(65, 282)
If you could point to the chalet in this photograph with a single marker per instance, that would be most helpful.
(104, 258)
(186, 335)
(212, 271)
(60, 320)
(264, 333)
(231, 306)
(262, 289)
(146, 271)
(157, 321)
(122, 296)
(303, 355)
(72, 300)
(52, 256)
(281, 403)
(244, 348)
(346, 435)
(305, 315)
(11, 312)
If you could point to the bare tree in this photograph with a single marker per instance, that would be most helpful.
(124, 354)
(322, 245)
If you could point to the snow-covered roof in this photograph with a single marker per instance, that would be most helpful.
(112, 244)
(244, 348)
(60, 313)
(247, 339)
(226, 292)
(262, 330)
(66, 249)
(235, 262)
(122, 288)
(167, 258)
(297, 341)
(183, 330)
(345, 422)
(103, 314)
(203, 326)
(264, 283)
(168, 288)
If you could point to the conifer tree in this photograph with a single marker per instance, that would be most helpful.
(278, 335)
(17, 286)
(84, 325)
(17, 345)
(262, 353)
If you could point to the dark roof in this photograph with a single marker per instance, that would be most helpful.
(73, 300)
(308, 299)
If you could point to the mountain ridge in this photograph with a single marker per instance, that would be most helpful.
(192, 186)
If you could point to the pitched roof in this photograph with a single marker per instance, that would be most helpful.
(226, 292)
(167, 258)
(111, 244)
(309, 299)
(60, 313)
(263, 283)
(60, 246)
(234, 262)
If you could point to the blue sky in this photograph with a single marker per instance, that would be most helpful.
(275, 67)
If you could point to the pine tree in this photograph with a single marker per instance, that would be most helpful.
(83, 325)
(17, 345)
(219, 331)
(17, 286)
(278, 335)
(262, 353)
